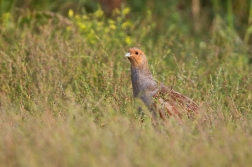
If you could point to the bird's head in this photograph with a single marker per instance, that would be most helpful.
(136, 57)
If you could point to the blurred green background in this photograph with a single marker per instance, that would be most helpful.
(198, 14)
(65, 87)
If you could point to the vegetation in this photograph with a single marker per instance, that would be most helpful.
(66, 96)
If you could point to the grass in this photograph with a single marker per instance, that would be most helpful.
(66, 96)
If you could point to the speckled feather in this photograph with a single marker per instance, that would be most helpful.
(157, 97)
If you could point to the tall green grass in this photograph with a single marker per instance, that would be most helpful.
(66, 95)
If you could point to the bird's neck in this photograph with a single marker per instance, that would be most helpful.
(141, 78)
(141, 70)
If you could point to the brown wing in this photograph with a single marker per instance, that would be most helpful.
(185, 101)
(175, 100)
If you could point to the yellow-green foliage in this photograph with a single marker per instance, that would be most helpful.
(96, 28)
(66, 95)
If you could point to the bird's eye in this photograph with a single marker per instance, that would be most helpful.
(136, 53)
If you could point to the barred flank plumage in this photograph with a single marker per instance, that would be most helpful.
(157, 97)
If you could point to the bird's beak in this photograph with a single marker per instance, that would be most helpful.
(127, 54)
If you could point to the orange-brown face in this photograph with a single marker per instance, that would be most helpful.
(135, 56)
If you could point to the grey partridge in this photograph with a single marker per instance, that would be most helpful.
(159, 99)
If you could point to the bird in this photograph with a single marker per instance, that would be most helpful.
(162, 101)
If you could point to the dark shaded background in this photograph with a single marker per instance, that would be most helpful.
(198, 14)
